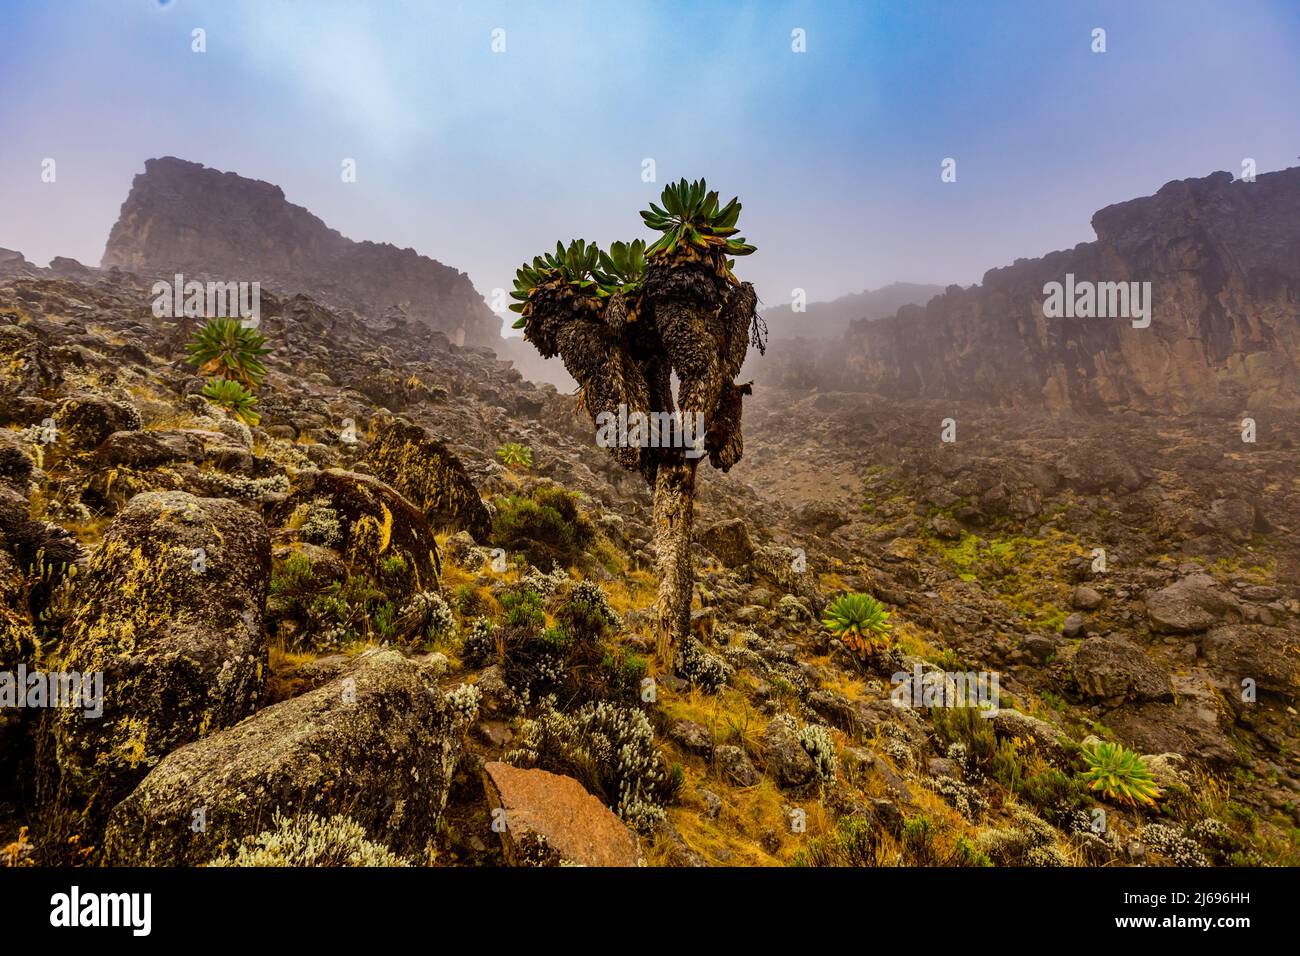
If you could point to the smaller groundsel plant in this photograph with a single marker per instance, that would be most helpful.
(234, 398)
(226, 348)
(516, 456)
(1120, 775)
(860, 621)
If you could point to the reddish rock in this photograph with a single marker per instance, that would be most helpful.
(550, 818)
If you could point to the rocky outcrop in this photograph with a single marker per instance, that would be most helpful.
(170, 613)
(1223, 260)
(1112, 670)
(1268, 656)
(13, 263)
(375, 523)
(550, 820)
(379, 744)
(184, 217)
(424, 470)
(1193, 604)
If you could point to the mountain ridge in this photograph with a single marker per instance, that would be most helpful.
(251, 231)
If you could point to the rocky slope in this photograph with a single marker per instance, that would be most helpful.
(353, 603)
(1223, 260)
(184, 217)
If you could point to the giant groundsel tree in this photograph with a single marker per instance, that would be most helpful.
(632, 323)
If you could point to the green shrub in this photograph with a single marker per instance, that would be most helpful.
(1055, 793)
(855, 841)
(523, 609)
(546, 526)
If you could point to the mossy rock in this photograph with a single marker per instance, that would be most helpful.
(375, 523)
(85, 421)
(424, 470)
(27, 370)
(379, 743)
(169, 609)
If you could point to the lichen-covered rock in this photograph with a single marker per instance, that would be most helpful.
(1036, 734)
(550, 820)
(423, 469)
(28, 375)
(379, 743)
(375, 522)
(170, 611)
(33, 542)
(784, 755)
(149, 449)
(16, 464)
(84, 421)
(734, 766)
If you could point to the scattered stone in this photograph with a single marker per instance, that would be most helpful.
(1075, 626)
(692, 737)
(735, 767)
(1085, 598)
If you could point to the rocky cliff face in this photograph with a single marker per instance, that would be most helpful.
(1223, 260)
(184, 217)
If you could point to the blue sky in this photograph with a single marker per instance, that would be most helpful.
(482, 159)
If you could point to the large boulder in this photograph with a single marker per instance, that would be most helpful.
(424, 470)
(375, 522)
(149, 449)
(1195, 603)
(379, 743)
(84, 421)
(169, 610)
(32, 542)
(1234, 517)
(16, 463)
(549, 820)
(1112, 670)
(29, 376)
(1270, 656)
(1037, 734)
(729, 542)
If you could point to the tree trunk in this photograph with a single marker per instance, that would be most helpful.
(673, 511)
